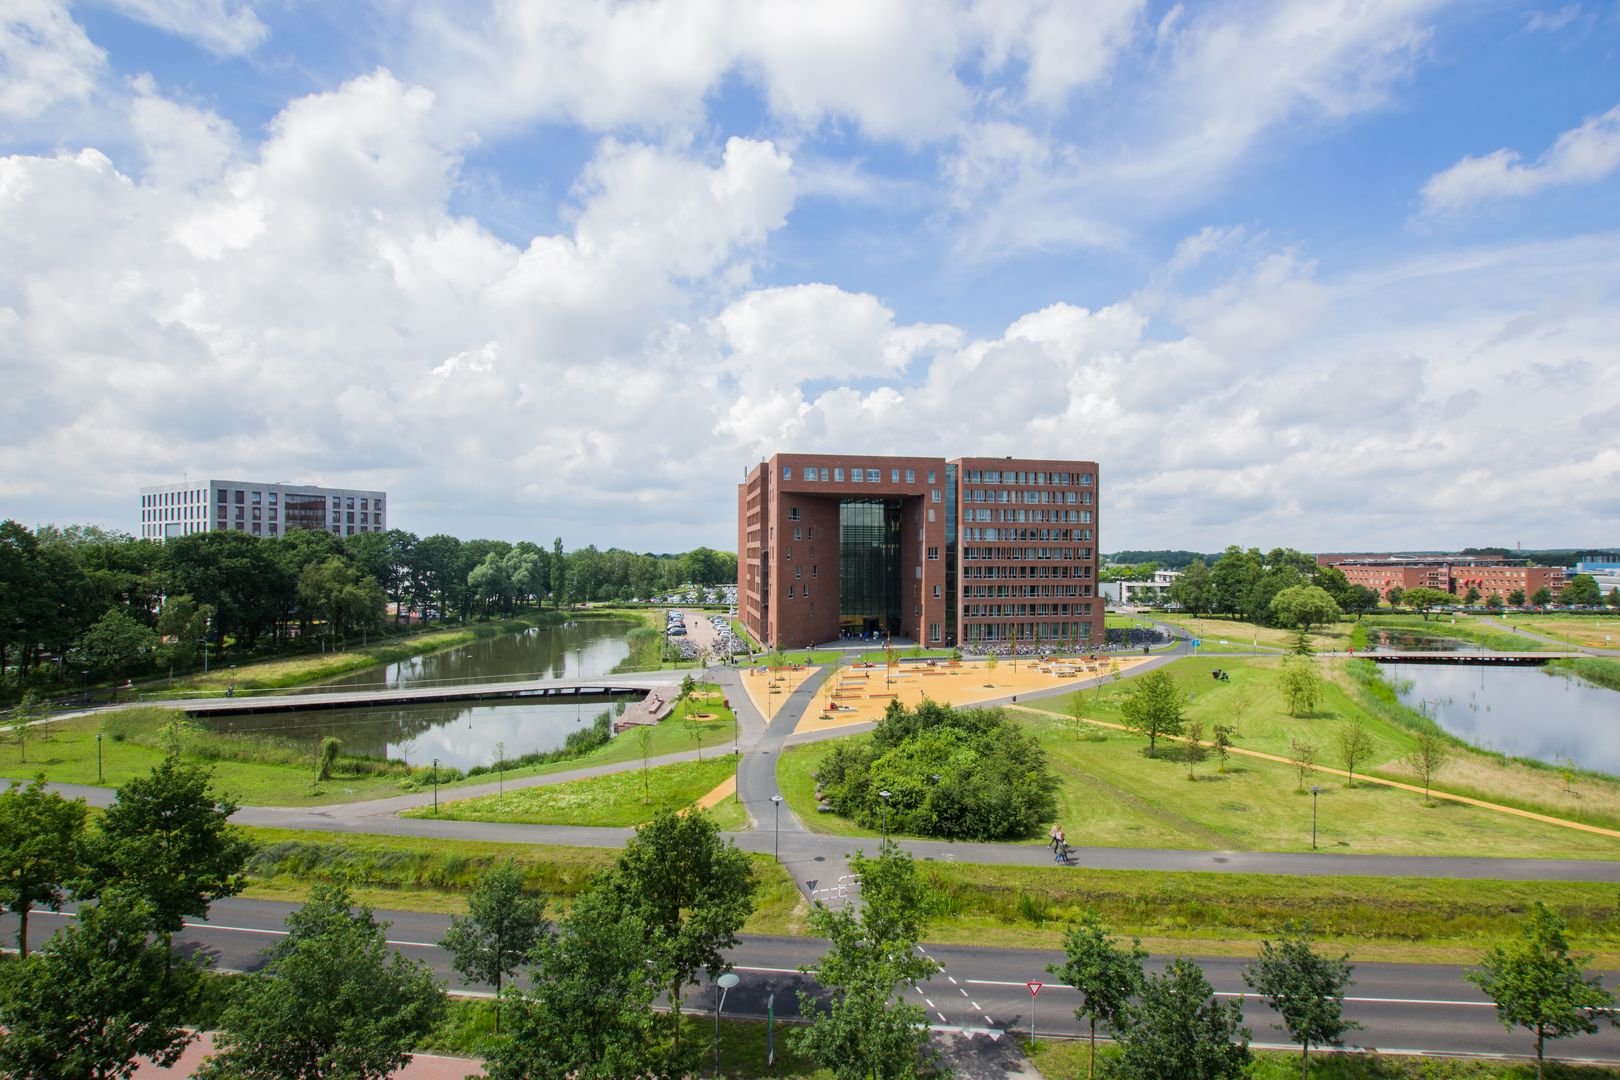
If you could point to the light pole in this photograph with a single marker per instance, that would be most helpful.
(86, 673)
(435, 787)
(884, 795)
(721, 985)
(98, 757)
(776, 801)
(736, 773)
(1315, 791)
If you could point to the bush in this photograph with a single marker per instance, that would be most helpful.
(993, 783)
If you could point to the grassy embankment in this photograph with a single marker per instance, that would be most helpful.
(618, 799)
(268, 771)
(425, 874)
(1604, 673)
(1597, 630)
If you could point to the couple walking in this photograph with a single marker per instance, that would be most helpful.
(1058, 844)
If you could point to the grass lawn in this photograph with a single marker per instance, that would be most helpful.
(1425, 920)
(260, 772)
(617, 799)
(411, 873)
(1466, 627)
(1112, 794)
(1068, 1060)
(1596, 631)
(1240, 635)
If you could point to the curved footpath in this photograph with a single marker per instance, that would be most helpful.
(816, 860)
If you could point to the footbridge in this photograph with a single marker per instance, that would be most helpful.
(1497, 658)
(561, 691)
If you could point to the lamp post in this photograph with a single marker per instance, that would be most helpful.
(1315, 791)
(776, 801)
(721, 985)
(435, 787)
(736, 773)
(98, 757)
(86, 673)
(884, 795)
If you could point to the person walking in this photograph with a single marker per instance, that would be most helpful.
(1060, 846)
(1052, 836)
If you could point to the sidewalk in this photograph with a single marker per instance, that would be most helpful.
(422, 1066)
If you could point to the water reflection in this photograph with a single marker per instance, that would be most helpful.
(1405, 641)
(458, 734)
(1521, 711)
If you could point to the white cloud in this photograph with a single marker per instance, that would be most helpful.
(45, 58)
(1551, 21)
(221, 26)
(1062, 45)
(1579, 156)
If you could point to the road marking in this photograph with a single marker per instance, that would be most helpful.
(975, 1005)
(1234, 994)
(941, 1016)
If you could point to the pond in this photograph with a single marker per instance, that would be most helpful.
(1530, 712)
(462, 734)
(1415, 641)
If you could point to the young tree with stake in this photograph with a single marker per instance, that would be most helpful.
(1427, 757)
(1305, 989)
(503, 924)
(1106, 976)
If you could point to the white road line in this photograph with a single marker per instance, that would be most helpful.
(1233, 994)
(952, 978)
(975, 1005)
(930, 1004)
(941, 1016)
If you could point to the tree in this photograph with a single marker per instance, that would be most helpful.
(693, 893)
(559, 572)
(1536, 984)
(1224, 739)
(1302, 756)
(1105, 976)
(1428, 756)
(1303, 607)
(502, 927)
(868, 1029)
(1582, 591)
(334, 1000)
(117, 644)
(1193, 748)
(166, 839)
(1077, 714)
(1494, 602)
(95, 998)
(1395, 595)
(588, 1013)
(1179, 1030)
(1424, 600)
(1191, 591)
(1301, 684)
(1154, 708)
(1516, 598)
(1471, 597)
(41, 840)
(1355, 746)
(1541, 597)
(1362, 600)
(1305, 989)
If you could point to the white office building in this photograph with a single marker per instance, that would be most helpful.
(260, 509)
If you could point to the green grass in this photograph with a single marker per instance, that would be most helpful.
(1113, 794)
(1067, 1060)
(1463, 627)
(814, 657)
(879, 656)
(413, 873)
(1604, 673)
(617, 799)
(1410, 919)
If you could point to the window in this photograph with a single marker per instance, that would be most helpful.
(934, 495)
(930, 476)
(798, 533)
(873, 476)
(787, 472)
(258, 496)
(911, 476)
(793, 513)
(790, 591)
(838, 474)
(894, 476)
(798, 572)
(933, 631)
(933, 552)
(855, 476)
(930, 513)
(936, 592)
(812, 572)
(241, 497)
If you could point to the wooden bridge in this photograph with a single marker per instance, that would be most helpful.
(546, 691)
(1495, 658)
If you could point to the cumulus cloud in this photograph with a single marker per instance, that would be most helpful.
(45, 58)
(220, 26)
(1579, 156)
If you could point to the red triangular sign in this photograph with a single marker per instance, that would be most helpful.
(1034, 988)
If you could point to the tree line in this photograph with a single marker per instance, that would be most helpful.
(81, 602)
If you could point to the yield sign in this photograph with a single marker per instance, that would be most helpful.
(1034, 988)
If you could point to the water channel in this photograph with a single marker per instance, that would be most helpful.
(1531, 712)
(462, 734)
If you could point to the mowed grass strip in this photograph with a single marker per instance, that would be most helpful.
(1429, 919)
(1068, 1060)
(617, 799)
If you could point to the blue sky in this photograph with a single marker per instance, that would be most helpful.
(1338, 274)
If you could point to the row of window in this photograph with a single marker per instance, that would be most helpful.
(1030, 571)
(1071, 517)
(813, 473)
(1063, 631)
(1011, 495)
(991, 592)
(1020, 476)
(1009, 611)
(1026, 554)
(1062, 536)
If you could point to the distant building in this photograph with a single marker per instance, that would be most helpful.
(1126, 593)
(975, 551)
(1604, 566)
(169, 510)
(1492, 575)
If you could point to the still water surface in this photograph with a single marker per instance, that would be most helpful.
(1521, 711)
(462, 734)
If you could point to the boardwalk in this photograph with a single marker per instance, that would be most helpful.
(600, 688)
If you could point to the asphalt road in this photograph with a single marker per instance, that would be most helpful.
(1403, 1007)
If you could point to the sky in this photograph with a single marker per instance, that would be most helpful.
(1330, 274)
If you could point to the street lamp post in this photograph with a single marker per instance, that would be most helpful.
(721, 985)
(884, 795)
(435, 787)
(736, 773)
(1315, 791)
(86, 673)
(776, 801)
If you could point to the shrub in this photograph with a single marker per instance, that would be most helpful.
(993, 778)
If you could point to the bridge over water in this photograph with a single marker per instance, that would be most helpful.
(547, 691)
(1498, 658)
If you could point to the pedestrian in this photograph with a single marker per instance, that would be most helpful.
(1052, 837)
(1059, 846)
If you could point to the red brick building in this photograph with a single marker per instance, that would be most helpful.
(1456, 574)
(975, 550)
